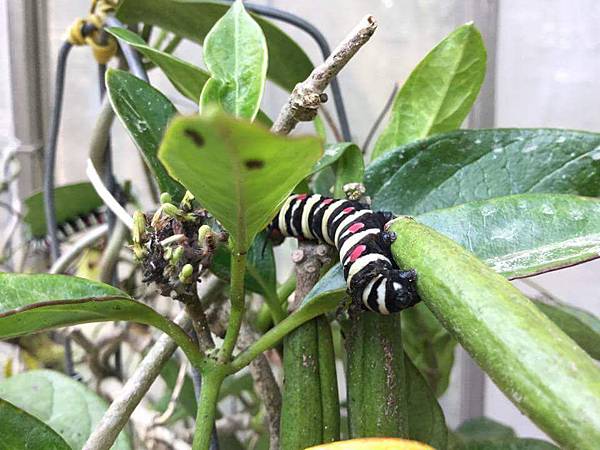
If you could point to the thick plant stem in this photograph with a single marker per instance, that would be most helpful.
(238, 269)
(207, 407)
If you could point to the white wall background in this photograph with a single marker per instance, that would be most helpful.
(548, 75)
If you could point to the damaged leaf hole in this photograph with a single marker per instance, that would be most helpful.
(253, 164)
(195, 137)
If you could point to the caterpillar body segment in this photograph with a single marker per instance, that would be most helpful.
(358, 234)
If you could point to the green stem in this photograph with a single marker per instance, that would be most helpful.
(207, 406)
(265, 317)
(238, 269)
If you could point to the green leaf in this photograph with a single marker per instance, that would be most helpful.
(21, 430)
(426, 421)
(187, 78)
(65, 405)
(509, 444)
(240, 172)
(38, 302)
(537, 366)
(482, 428)
(439, 93)
(70, 202)
(288, 64)
(235, 53)
(429, 346)
(522, 235)
(145, 113)
(347, 161)
(260, 266)
(468, 165)
(580, 325)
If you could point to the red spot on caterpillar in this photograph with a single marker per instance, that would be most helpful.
(348, 209)
(301, 196)
(327, 201)
(355, 227)
(357, 252)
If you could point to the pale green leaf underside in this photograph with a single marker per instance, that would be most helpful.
(235, 53)
(68, 407)
(439, 93)
(240, 172)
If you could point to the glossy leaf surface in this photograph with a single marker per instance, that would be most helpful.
(521, 235)
(468, 165)
(145, 113)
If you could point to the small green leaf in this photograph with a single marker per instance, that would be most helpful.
(70, 202)
(580, 325)
(288, 64)
(65, 405)
(482, 428)
(468, 165)
(347, 161)
(187, 78)
(521, 235)
(426, 421)
(145, 113)
(32, 303)
(235, 53)
(485, 434)
(240, 172)
(21, 430)
(439, 93)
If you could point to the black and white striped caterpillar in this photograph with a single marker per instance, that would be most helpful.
(363, 244)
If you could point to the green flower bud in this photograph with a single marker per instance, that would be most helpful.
(186, 273)
(203, 231)
(165, 197)
(139, 227)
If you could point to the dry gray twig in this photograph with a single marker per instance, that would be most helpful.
(307, 96)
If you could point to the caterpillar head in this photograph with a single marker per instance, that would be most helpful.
(401, 290)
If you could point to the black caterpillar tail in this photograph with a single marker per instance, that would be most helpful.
(358, 233)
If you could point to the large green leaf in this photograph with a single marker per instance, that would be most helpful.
(426, 421)
(21, 430)
(235, 53)
(32, 303)
(145, 113)
(240, 172)
(70, 202)
(580, 325)
(187, 78)
(467, 165)
(65, 405)
(439, 93)
(521, 235)
(288, 64)
(347, 161)
(535, 364)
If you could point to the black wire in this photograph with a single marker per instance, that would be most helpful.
(50, 153)
(131, 55)
(318, 37)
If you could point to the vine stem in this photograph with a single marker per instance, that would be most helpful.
(238, 269)
(207, 407)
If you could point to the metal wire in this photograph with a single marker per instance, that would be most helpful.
(131, 55)
(318, 37)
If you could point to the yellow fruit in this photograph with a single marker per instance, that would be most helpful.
(373, 444)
